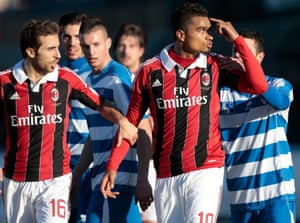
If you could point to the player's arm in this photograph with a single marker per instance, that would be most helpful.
(254, 79)
(126, 129)
(135, 112)
(86, 95)
(143, 191)
(83, 163)
(278, 97)
(118, 153)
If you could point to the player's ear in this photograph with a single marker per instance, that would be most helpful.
(260, 56)
(180, 35)
(108, 43)
(30, 52)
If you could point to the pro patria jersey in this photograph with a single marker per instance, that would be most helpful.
(36, 120)
(112, 83)
(78, 131)
(258, 164)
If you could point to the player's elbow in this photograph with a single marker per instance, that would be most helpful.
(260, 88)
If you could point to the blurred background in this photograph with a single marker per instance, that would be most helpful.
(277, 20)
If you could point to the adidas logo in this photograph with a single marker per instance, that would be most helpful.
(156, 83)
(15, 96)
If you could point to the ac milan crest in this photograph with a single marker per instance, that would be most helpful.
(54, 94)
(205, 79)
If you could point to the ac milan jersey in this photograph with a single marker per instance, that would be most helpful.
(36, 119)
(184, 103)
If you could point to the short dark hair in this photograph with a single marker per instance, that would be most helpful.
(89, 23)
(71, 18)
(129, 29)
(184, 12)
(31, 32)
(255, 35)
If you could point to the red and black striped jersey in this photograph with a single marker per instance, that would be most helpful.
(36, 121)
(185, 106)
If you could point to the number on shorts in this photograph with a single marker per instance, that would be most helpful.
(208, 218)
(58, 208)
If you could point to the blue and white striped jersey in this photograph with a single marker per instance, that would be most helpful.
(258, 163)
(113, 83)
(78, 129)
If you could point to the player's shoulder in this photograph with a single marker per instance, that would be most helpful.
(116, 66)
(150, 65)
(152, 62)
(6, 72)
(66, 72)
(5, 75)
(278, 81)
(118, 70)
(68, 75)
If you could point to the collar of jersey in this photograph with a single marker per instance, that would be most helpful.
(21, 77)
(169, 63)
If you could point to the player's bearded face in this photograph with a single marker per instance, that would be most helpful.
(47, 55)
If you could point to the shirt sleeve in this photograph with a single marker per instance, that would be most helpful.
(81, 91)
(136, 110)
(278, 94)
(253, 81)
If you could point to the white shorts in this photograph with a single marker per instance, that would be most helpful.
(37, 201)
(190, 197)
(150, 213)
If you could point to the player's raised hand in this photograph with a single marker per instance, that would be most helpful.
(225, 29)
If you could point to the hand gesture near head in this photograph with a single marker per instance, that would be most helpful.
(225, 29)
